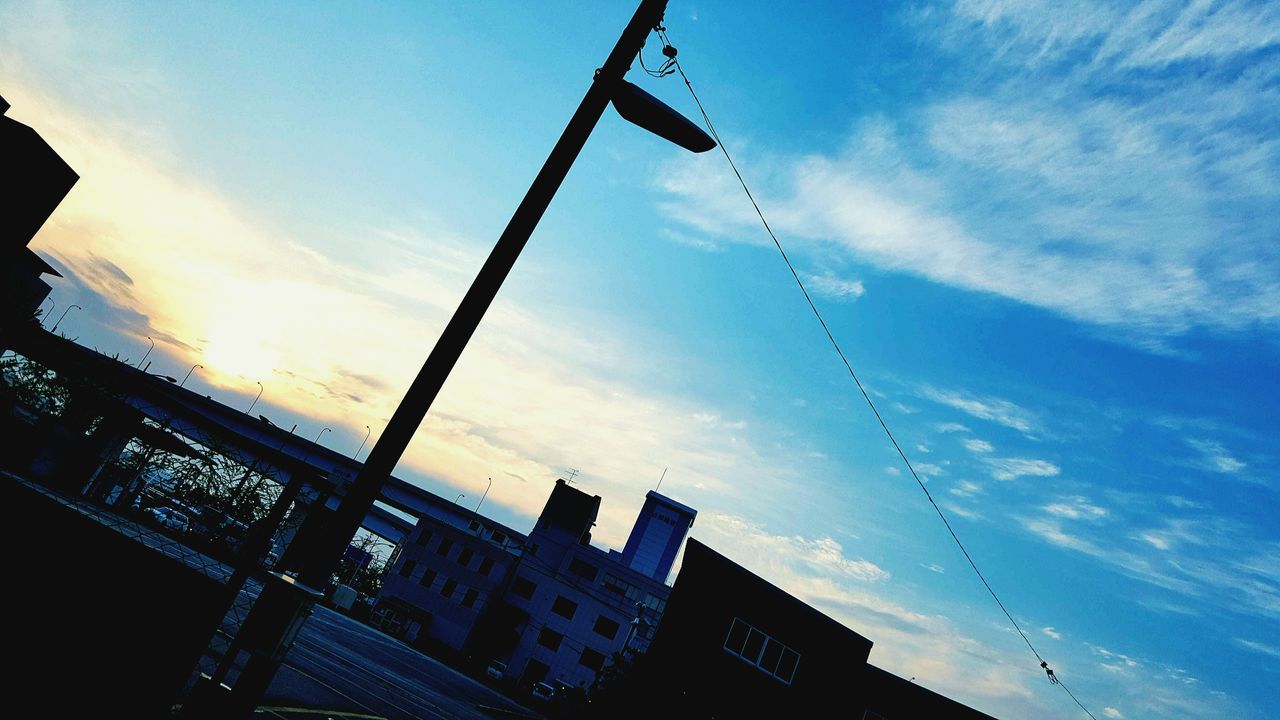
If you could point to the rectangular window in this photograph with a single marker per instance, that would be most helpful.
(584, 570)
(591, 659)
(550, 639)
(470, 598)
(474, 526)
(444, 547)
(606, 627)
(564, 607)
(464, 556)
(407, 568)
(523, 587)
(449, 586)
(424, 536)
(428, 578)
(499, 537)
(761, 650)
(486, 564)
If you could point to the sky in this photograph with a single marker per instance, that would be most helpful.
(1045, 234)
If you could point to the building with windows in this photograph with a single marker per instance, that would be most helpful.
(731, 644)
(549, 604)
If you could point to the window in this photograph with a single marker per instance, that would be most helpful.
(474, 526)
(499, 537)
(470, 598)
(591, 659)
(550, 639)
(633, 593)
(523, 587)
(464, 556)
(761, 650)
(564, 607)
(449, 586)
(584, 570)
(407, 568)
(606, 627)
(428, 578)
(444, 547)
(486, 564)
(423, 537)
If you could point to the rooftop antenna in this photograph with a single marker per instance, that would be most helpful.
(572, 473)
(664, 474)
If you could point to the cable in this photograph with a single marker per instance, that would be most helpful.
(661, 31)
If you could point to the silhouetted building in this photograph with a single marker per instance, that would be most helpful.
(731, 644)
(657, 535)
(36, 180)
(548, 604)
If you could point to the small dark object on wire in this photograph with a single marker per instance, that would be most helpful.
(1049, 671)
(668, 66)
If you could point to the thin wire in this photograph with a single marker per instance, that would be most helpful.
(812, 306)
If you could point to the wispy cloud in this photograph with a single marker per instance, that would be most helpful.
(1215, 457)
(1050, 632)
(978, 446)
(1076, 508)
(1014, 468)
(996, 410)
(835, 287)
(1258, 647)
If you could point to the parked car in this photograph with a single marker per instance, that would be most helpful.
(544, 692)
(496, 670)
(170, 518)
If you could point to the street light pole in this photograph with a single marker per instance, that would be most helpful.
(148, 353)
(322, 432)
(485, 495)
(367, 432)
(193, 369)
(391, 444)
(63, 315)
(255, 399)
(458, 500)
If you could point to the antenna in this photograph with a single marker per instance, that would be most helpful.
(664, 474)
(572, 473)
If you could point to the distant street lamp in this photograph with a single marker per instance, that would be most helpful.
(63, 315)
(458, 500)
(367, 433)
(153, 347)
(170, 378)
(485, 495)
(321, 433)
(184, 377)
(255, 400)
(52, 305)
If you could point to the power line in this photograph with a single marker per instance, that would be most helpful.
(661, 31)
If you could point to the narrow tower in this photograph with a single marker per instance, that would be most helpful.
(657, 535)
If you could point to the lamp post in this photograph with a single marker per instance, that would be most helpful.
(255, 400)
(605, 86)
(193, 368)
(367, 433)
(153, 347)
(322, 432)
(458, 500)
(52, 305)
(485, 495)
(63, 315)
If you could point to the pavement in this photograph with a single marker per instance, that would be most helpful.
(341, 668)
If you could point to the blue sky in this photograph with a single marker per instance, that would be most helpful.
(1044, 233)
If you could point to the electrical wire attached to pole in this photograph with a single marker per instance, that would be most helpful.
(669, 52)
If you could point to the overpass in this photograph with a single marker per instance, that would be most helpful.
(251, 440)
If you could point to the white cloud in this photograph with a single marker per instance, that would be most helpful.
(1075, 508)
(951, 428)
(1111, 712)
(933, 567)
(996, 410)
(965, 488)
(1051, 633)
(1014, 468)
(1215, 457)
(978, 446)
(818, 556)
(1259, 647)
(835, 287)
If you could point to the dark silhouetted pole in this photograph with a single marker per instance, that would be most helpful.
(485, 495)
(322, 432)
(148, 353)
(63, 315)
(391, 444)
(367, 432)
(256, 397)
(193, 369)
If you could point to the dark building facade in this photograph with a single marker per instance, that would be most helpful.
(731, 644)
